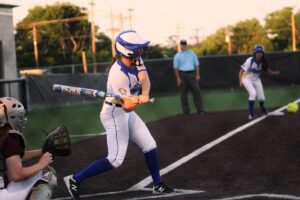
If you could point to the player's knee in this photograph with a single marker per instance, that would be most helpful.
(41, 191)
(116, 161)
(150, 145)
(252, 95)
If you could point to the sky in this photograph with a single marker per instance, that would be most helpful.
(156, 20)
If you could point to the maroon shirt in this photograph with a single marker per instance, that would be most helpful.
(12, 146)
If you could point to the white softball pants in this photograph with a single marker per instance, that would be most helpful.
(19, 190)
(254, 88)
(120, 127)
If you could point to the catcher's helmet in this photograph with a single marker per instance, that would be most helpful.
(258, 48)
(12, 112)
(129, 43)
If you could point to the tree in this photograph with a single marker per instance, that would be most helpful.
(156, 51)
(213, 44)
(58, 43)
(248, 33)
(279, 24)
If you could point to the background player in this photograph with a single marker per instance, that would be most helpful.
(18, 182)
(127, 77)
(249, 77)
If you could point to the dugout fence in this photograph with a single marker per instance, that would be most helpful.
(217, 72)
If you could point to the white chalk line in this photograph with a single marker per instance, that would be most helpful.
(143, 183)
(278, 196)
(177, 193)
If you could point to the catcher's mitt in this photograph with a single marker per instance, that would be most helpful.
(58, 142)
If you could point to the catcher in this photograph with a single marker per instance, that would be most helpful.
(18, 182)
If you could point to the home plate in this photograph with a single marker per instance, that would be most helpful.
(276, 113)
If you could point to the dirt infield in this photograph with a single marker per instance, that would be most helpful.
(261, 161)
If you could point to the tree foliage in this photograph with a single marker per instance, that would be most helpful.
(275, 35)
(58, 43)
(62, 43)
(213, 44)
(278, 23)
(246, 34)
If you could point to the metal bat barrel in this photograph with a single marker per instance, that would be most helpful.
(78, 91)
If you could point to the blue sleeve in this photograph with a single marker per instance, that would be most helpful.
(176, 62)
(196, 61)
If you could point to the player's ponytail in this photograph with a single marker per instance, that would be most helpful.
(114, 59)
(265, 64)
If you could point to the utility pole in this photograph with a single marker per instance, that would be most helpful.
(93, 35)
(228, 35)
(113, 31)
(130, 17)
(294, 46)
(121, 18)
(197, 36)
(178, 29)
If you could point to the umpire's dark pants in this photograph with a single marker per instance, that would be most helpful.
(189, 83)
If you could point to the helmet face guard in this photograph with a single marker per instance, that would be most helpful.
(12, 112)
(130, 44)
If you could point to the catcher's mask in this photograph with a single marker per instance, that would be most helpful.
(12, 112)
(130, 45)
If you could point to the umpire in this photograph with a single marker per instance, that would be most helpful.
(187, 72)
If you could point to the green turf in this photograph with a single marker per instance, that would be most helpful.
(84, 119)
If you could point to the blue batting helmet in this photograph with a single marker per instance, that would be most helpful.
(128, 44)
(258, 48)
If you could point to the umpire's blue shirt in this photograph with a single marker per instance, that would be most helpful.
(185, 61)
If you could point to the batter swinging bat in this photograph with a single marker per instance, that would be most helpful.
(78, 91)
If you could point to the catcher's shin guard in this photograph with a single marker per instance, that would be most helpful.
(42, 191)
(49, 176)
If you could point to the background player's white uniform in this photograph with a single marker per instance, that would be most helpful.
(251, 79)
(249, 76)
(121, 126)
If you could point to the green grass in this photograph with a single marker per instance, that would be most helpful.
(84, 119)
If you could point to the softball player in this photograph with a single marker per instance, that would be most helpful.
(18, 182)
(127, 77)
(249, 77)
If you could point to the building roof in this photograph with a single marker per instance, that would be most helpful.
(4, 5)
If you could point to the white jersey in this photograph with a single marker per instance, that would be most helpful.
(120, 126)
(252, 69)
(123, 81)
(251, 79)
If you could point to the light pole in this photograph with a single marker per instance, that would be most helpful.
(294, 46)
(228, 35)
(93, 36)
(90, 14)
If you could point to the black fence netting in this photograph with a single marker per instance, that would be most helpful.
(216, 72)
(40, 88)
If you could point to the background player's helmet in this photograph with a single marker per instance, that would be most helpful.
(258, 48)
(12, 112)
(128, 44)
